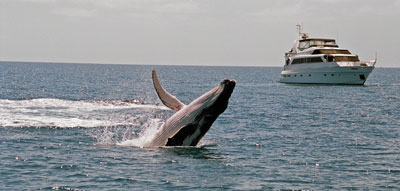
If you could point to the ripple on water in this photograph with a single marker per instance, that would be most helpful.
(72, 127)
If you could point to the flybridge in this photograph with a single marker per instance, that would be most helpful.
(306, 42)
(317, 42)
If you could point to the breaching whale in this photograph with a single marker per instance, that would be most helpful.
(190, 122)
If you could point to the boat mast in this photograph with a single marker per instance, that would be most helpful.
(300, 30)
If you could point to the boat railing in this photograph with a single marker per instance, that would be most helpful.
(370, 63)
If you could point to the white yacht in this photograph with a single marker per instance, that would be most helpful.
(321, 61)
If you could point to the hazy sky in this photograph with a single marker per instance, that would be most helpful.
(192, 32)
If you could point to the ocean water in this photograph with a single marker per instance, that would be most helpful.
(83, 127)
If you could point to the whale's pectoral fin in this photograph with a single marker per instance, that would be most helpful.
(168, 100)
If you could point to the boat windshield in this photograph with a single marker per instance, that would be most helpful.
(346, 59)
(330, 51)
(307, 60)
(317, 43)
(330, 42)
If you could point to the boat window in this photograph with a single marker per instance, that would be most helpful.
(330, 51)
(332, 42)
(296, 61)
(347, 59)
(317, 42)
(317, 52)
(315, 59)
(329, 58)
(304, 44)
(306, 60)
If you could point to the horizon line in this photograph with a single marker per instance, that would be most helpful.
(153, 64)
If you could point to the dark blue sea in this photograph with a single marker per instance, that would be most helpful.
(83, 126)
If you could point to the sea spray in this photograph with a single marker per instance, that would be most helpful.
(137, 135)
(60, 113)
(146, 136)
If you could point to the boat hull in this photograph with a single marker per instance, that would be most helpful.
(333, 75)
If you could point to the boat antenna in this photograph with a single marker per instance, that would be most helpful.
(337, 36)
(300, 30)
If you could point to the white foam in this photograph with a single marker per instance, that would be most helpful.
(145, 137)
(66, 113)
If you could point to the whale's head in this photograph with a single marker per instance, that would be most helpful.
(227, 85)
(216, 100)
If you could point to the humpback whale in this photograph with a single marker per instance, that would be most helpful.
(190, 122)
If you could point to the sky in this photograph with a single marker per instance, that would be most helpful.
(192, 32)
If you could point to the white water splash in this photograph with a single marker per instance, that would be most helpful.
(121, 123)
(145, 137)
(47, 112)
